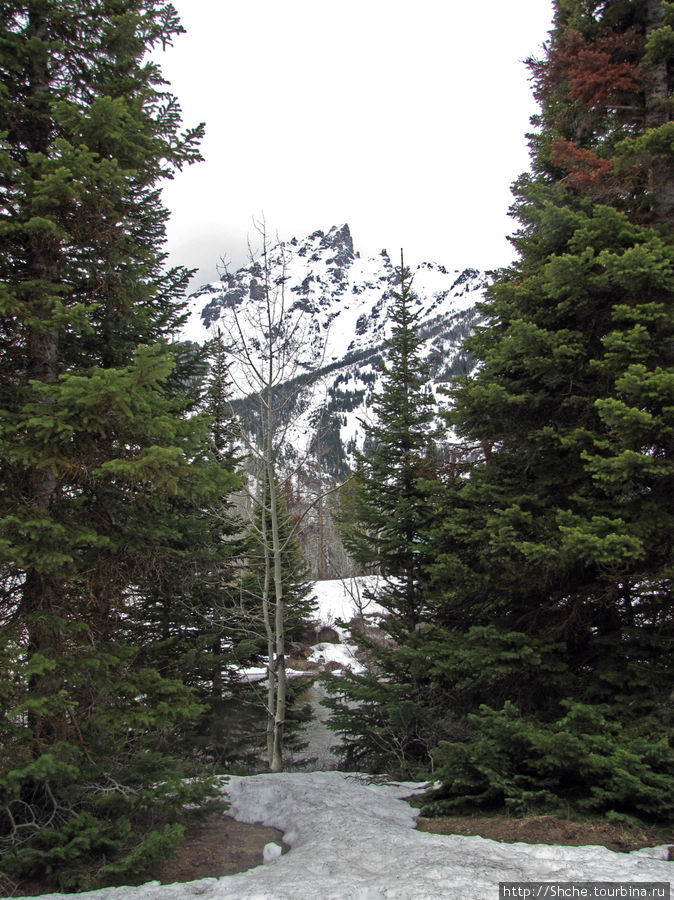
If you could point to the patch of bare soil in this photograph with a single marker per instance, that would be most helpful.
(215, 846)
(218, 845)
(545, 830)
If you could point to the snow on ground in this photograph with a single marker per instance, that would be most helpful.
(341, 599)
(345, 598)
(352, 839)
(342, 654)
(355, 840)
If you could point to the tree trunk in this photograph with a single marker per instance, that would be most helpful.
(658, 113)
(320, 517)
(276, 758)
(268, 627)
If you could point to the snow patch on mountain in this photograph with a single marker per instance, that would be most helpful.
(343, 302)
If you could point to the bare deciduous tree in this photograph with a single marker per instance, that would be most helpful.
(274, 349)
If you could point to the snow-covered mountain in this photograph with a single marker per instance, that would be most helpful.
(342, 301)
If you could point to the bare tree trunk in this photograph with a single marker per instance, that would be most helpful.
(320, 523)
(276, 760)
(658, 113)
(278, 651)
(268, 627)
(269, 344)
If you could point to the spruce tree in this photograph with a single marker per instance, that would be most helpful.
(383, 721)
(389, 497)
(96, 453)
(553, 635)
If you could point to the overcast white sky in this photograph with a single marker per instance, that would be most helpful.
(404, 119)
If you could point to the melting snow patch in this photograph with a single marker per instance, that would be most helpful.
(342, 654)
(271, 852)
(352, 839)
(345, 599)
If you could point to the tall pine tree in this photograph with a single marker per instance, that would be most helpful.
(95, 450)
(383, 722)
(553, 637)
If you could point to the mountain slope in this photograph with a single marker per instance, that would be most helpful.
(343, 302)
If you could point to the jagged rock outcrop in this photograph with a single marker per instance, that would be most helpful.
(345, 301)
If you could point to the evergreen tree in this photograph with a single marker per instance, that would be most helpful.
(225, 427)
(187, 621)
(96, 454)
(381, 716)
(389, 496)
(553, 632)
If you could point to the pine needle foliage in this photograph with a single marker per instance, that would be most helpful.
(558, 548)
(97, 454)
(384, 724)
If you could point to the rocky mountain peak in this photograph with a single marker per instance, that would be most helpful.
(345, 301)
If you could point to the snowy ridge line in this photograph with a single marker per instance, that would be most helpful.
(352, 839)
(346, 297)
(343, 302)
